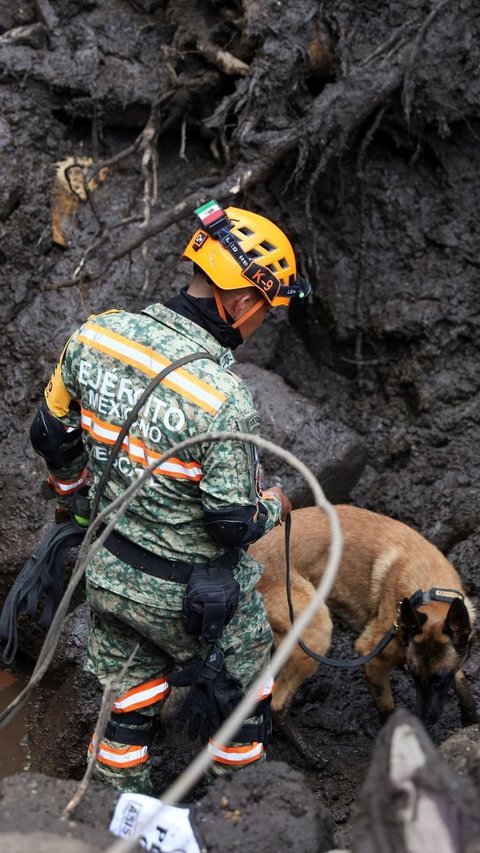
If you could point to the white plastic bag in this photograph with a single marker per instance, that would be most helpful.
(160, 828)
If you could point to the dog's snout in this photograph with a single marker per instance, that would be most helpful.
(430, 697)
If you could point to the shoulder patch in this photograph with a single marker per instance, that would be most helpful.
(227, 359)
(253, 422)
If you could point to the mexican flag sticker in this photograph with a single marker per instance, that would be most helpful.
(209, 212)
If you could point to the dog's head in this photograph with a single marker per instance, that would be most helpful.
(436, 643)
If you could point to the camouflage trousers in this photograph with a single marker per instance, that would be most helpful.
(143, 612)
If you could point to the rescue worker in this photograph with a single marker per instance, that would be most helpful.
(199, 510)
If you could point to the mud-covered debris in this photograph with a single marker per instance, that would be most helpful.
(412, 800)
(71, 186)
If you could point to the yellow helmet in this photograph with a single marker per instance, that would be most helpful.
(236, 248)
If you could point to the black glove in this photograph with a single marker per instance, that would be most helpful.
(213, 694)
(228, 693)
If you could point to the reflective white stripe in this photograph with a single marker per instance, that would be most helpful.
(122, 346)
(266, 688)
(137, 451)
(66, 486)
(99, 429)
(233, 757)
(122, 758)
(193, 472)
(144, 697)
(147, 361)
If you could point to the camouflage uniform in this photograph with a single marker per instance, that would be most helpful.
(104, 368)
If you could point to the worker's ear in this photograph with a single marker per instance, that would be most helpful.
(240, 303)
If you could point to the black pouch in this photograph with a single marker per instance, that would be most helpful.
(211, 598)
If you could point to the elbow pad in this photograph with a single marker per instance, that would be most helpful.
(51, 439)
(235, 527)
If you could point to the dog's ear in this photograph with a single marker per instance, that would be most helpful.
(410, 621)
(457, 625)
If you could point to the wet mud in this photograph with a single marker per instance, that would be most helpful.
(13, 736)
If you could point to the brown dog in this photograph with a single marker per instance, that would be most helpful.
(384, 563)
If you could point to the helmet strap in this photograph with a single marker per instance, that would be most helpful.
(248, 313)
(219, 304)
(221, 309)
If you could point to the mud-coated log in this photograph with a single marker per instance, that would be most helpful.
(325, 129)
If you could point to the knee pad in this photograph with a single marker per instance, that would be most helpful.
(50, 439)
(122, 728)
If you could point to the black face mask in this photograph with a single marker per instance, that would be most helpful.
(204, 313)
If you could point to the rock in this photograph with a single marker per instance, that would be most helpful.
(269, 807)
(35, 803)
(332, 451)
(462, 752)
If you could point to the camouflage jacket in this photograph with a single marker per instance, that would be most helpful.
(103, 370)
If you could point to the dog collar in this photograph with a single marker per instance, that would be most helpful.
(435, 594)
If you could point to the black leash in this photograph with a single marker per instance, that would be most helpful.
(348, 663)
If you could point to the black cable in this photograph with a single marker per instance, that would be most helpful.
(41, 576)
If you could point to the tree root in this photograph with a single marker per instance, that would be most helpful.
(321, 134)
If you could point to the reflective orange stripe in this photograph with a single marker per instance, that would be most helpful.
(142, 696)
(235, 756)
(67, 487)
(101, 430)
(128, 756)
(106, 433)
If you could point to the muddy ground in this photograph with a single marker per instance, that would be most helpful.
(357, 129)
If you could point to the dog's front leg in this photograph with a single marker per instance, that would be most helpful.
(468, 710)
(377, 673)
(378, 670)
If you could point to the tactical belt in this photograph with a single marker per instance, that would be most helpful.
(147, 561)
